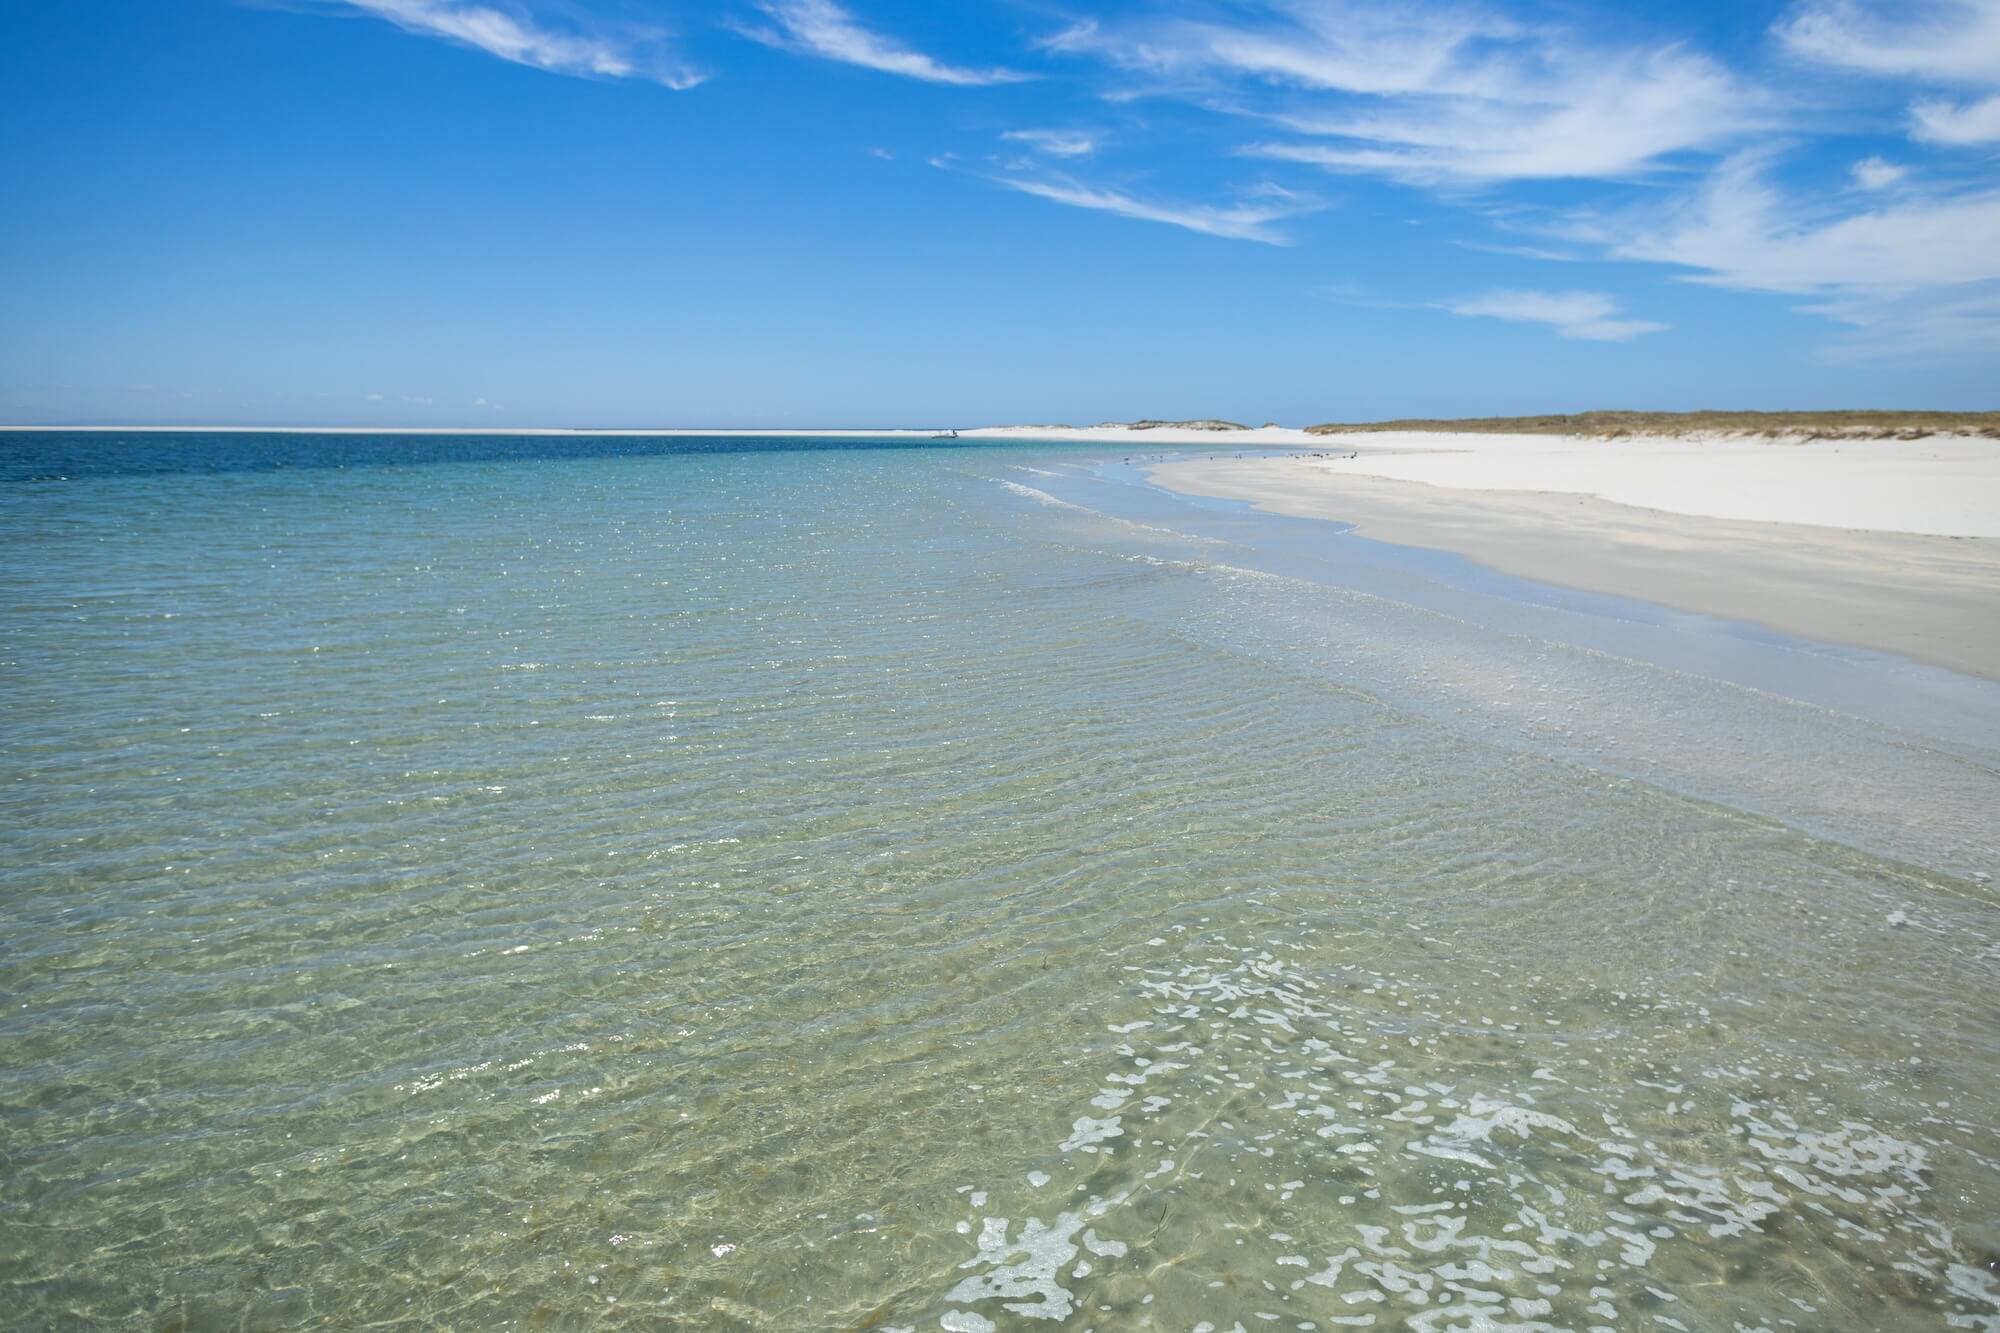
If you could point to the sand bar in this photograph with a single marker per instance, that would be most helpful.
(1886, 545)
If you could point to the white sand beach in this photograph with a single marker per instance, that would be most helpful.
(1891, 545)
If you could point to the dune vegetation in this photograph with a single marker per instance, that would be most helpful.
(1613, 425)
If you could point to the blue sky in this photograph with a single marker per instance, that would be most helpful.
(880, 212)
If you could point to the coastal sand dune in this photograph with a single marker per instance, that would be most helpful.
(1889, 545)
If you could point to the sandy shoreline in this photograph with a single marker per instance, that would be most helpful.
(1735, 529)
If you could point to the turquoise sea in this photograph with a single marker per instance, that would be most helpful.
(781, 885)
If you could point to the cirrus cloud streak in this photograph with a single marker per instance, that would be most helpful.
(519, 38)
(824, 29)
(1247, 221)
(1584, 316)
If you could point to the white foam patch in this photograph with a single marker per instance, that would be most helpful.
(965, 1321)
(1021, 1271)
(1088, 1133)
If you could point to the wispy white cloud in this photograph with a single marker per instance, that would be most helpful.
(1952, 44)
(1058, 143)
(822, 28)
(1586, 316)
(1961, 124)
(1740, 230)
(513, 34)
(1553, 254)
(1623, 120)
(1947, 41)
(1875, 173)
(1930, 323)
(1441, 95)
(1347, 46)
(1917, 269)
(1253, 220)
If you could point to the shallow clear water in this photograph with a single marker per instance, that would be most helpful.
(781, 888)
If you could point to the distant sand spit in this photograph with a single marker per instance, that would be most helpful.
(1161, 435)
